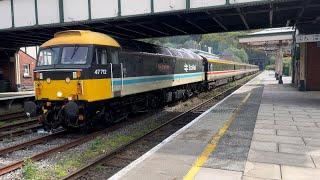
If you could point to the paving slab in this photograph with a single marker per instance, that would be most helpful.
(253, 178)
(313, 129)
(298, 124)
(262, 170)
(312, 141)
(291, 133)
(278, 139)
(265, 131)
(297, 149)
(265, 122)
(316, 159)
(272, 126)
(264, 146)
(280, 158)
(299, 173)
(217, 174)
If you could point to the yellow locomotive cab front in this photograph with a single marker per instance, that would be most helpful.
(82, 90)
(73, 70)
(64, 68)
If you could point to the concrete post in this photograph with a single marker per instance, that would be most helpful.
(302, 75)
(280, 70)
(18, 78)
(276, 68)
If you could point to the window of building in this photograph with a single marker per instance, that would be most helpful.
(26, 70)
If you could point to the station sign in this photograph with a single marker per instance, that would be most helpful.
(308, 38)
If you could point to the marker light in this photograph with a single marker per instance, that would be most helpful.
(68, 80)
(59, 94)
(48, 80)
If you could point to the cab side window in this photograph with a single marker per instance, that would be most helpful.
(101, 56)
(113, 55)
(104, 56)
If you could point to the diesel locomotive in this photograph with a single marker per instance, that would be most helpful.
(82, 77)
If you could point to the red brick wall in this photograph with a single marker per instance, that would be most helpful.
(313, 67)
(26, 81)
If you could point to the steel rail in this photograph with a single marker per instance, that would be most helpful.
(44, 154)
(18, 124)
(29, 143)
(19, 131)
(7, 117)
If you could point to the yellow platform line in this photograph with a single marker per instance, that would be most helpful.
(211, 147)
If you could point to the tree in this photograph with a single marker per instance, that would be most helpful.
(221, 43)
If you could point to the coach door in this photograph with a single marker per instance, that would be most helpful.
(106, 65)
(117, 78)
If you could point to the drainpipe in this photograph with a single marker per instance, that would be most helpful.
(18, 78)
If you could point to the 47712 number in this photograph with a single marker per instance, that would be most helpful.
(100, 71)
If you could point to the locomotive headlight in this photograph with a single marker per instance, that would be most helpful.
(68, 80)
(59, 94)
(48, 80)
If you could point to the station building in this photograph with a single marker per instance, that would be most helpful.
(17, 73)
(306, 62)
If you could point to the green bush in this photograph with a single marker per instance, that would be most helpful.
(270, 67)
(287, 66)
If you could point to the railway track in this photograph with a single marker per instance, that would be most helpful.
(20, 131)
(36, 157)
(8, 117)
(41, 155)
(120, 157)
(18, 124)
(29, 143)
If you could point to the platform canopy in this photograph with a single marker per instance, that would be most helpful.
(32, 22)
(270, 39)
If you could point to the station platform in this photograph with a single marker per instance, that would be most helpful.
(16, 95)
(261, 131)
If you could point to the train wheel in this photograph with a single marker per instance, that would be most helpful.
(52, 120)
(87, 127)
